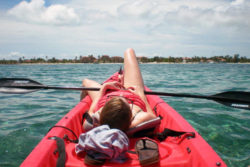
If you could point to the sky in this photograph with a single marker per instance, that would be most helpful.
(70, 28)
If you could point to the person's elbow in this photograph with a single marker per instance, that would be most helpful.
(142, 117)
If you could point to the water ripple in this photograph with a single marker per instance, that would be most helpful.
(25, 119)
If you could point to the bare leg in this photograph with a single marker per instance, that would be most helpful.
(132, 73)
(133, 77)
(90, 83)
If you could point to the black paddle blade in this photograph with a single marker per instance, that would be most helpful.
(236, 99)
(18, 85)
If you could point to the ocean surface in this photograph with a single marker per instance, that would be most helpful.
(26, 118)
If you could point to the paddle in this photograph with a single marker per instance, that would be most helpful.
(236, 99)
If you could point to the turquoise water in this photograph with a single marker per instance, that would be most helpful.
(26, 118)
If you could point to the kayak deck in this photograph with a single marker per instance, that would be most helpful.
(174, 151)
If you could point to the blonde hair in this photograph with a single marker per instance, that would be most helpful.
(117, 114)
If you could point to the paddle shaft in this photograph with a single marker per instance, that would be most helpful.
(146, 92)
(195, 96)
(54, 87)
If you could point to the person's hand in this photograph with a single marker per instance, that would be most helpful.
(111, 86)
(121, 79)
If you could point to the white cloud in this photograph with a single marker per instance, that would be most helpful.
(237, 2)
(137, 8)
(35, 12)
(190, 13)
(166, 27)
(145, 14)
(13, 55)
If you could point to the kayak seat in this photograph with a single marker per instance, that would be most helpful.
(145, 128)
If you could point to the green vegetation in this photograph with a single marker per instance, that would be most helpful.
(116, 59)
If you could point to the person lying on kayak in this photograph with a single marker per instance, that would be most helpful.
(121, 104)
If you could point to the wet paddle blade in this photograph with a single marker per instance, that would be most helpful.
(19, 85)
(236, 99)
(16, 90)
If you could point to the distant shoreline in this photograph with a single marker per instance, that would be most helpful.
(113, 63)
(106, 59)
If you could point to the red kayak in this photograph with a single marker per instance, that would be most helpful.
(189, 149)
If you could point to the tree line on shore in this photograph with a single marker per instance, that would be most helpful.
(117, 59)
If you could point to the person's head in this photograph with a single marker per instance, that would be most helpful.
(117, 114)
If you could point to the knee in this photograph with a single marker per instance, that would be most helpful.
(85, 82)
(129, 51)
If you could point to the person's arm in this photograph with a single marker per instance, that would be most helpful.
(103, 89)
(142, 116)
(94, 103)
